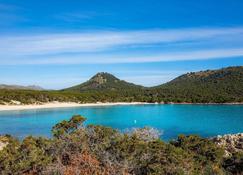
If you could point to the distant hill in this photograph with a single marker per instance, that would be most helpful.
(104, 82)
(32, 87)
(222, 85)
(210, 86)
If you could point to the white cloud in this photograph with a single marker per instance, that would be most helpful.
(101, 59)
(102, 40)
(40, 48)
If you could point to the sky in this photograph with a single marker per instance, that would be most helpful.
(60, 43)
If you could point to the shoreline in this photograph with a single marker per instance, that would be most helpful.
(50, 105)
(62, 105)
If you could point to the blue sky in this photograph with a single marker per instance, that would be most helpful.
(57, 43)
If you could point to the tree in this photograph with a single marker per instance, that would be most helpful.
(67, 127)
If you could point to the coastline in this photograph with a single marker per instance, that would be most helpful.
(185, 103)
(8, 107)
(63, 105)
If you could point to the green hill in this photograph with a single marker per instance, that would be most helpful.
(211, 86)
(105, 87)
(222, 85)
(104, 82)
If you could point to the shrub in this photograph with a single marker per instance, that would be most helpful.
(76, 149)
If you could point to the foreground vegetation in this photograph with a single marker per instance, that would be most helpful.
(79, 149)
(218, 86)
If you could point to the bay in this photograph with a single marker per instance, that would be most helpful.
(171, 119)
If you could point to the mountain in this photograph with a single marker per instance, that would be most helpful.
(32, 87)
(210, 86)
(222, 85)
(104, 82)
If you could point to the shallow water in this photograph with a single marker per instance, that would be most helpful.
(204, 120)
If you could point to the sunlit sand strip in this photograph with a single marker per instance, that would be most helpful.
(61, 105)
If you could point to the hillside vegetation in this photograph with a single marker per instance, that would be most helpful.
(104, 81)
(79, 149)
(211, 86)
(219, 86)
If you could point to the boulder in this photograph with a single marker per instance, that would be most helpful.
(231, 143)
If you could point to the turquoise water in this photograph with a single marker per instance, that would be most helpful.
(204, 120)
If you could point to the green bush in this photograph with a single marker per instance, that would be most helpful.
(97, 149)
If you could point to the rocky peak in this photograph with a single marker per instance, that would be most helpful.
(103, 77)
(99, 78)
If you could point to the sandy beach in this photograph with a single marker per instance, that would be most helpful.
(61, 105)
(72, 104)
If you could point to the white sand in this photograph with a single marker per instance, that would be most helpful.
(61, 105)
(71, 104)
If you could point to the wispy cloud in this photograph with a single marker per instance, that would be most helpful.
(105, 40)
(72, 48)
(106, 59)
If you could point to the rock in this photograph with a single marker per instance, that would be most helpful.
(231, 143)
(3, 142)
(14, 102)
(2, 145)
(239, 146)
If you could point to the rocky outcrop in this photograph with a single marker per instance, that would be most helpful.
(3, 142)
(231, 143)
(2, 145)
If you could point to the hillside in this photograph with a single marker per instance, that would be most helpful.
(102, 82)
(222, 85)
(211, 86)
